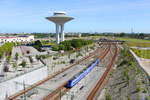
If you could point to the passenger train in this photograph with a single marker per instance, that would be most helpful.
(72, 82)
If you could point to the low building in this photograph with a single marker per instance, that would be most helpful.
(21, 38)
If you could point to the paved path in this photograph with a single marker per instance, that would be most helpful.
(144, 63)
(141, 48)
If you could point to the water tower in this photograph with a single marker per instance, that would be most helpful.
(59, 18)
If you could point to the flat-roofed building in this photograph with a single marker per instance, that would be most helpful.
(21, 38)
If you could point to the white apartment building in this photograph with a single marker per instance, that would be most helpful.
(21, 38)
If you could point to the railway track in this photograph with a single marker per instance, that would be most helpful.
(61, 90)
(103, 80)
(13, 97)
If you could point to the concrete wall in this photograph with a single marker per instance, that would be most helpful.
(14, 85)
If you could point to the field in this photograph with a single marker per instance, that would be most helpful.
(138, 44)
(133, 40)
(142, 53)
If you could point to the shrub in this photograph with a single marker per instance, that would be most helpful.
(37, 57)
(144, 91)
(147, 98)
(108, 97)
(129, 98)
(31, 60)
(79, 54)
(16, 56)
(14, 65)
(37, 44)
(23, 64)
(138, 89)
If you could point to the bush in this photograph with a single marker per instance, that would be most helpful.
(23, 64)
(108, 97)
(16, 56)
(37, 44)
(138, 89)
(129, 98)
(31, 60)
(38, 57)
(144, 91)
(147, 98)
(14, 65)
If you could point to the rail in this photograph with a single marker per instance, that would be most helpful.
(12, 97)
(55, 95)
(100, 84)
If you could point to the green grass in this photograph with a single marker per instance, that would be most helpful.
(50, 43)
(138, 44)
(142, 53)
(132, 40)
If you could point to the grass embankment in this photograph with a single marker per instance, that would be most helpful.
(128, 81)
(142, 53)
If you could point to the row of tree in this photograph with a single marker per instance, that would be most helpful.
(135, 35)
(138, 36)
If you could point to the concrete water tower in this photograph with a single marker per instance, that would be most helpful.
(59, 18)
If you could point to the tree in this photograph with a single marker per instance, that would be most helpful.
(141, 36)
(122, 34)
(37, 45)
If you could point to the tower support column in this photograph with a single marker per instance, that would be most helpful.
(57, 34)
(62, 32)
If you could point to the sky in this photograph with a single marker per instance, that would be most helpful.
(90, 15)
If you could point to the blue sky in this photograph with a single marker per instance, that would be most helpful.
(90, 15)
